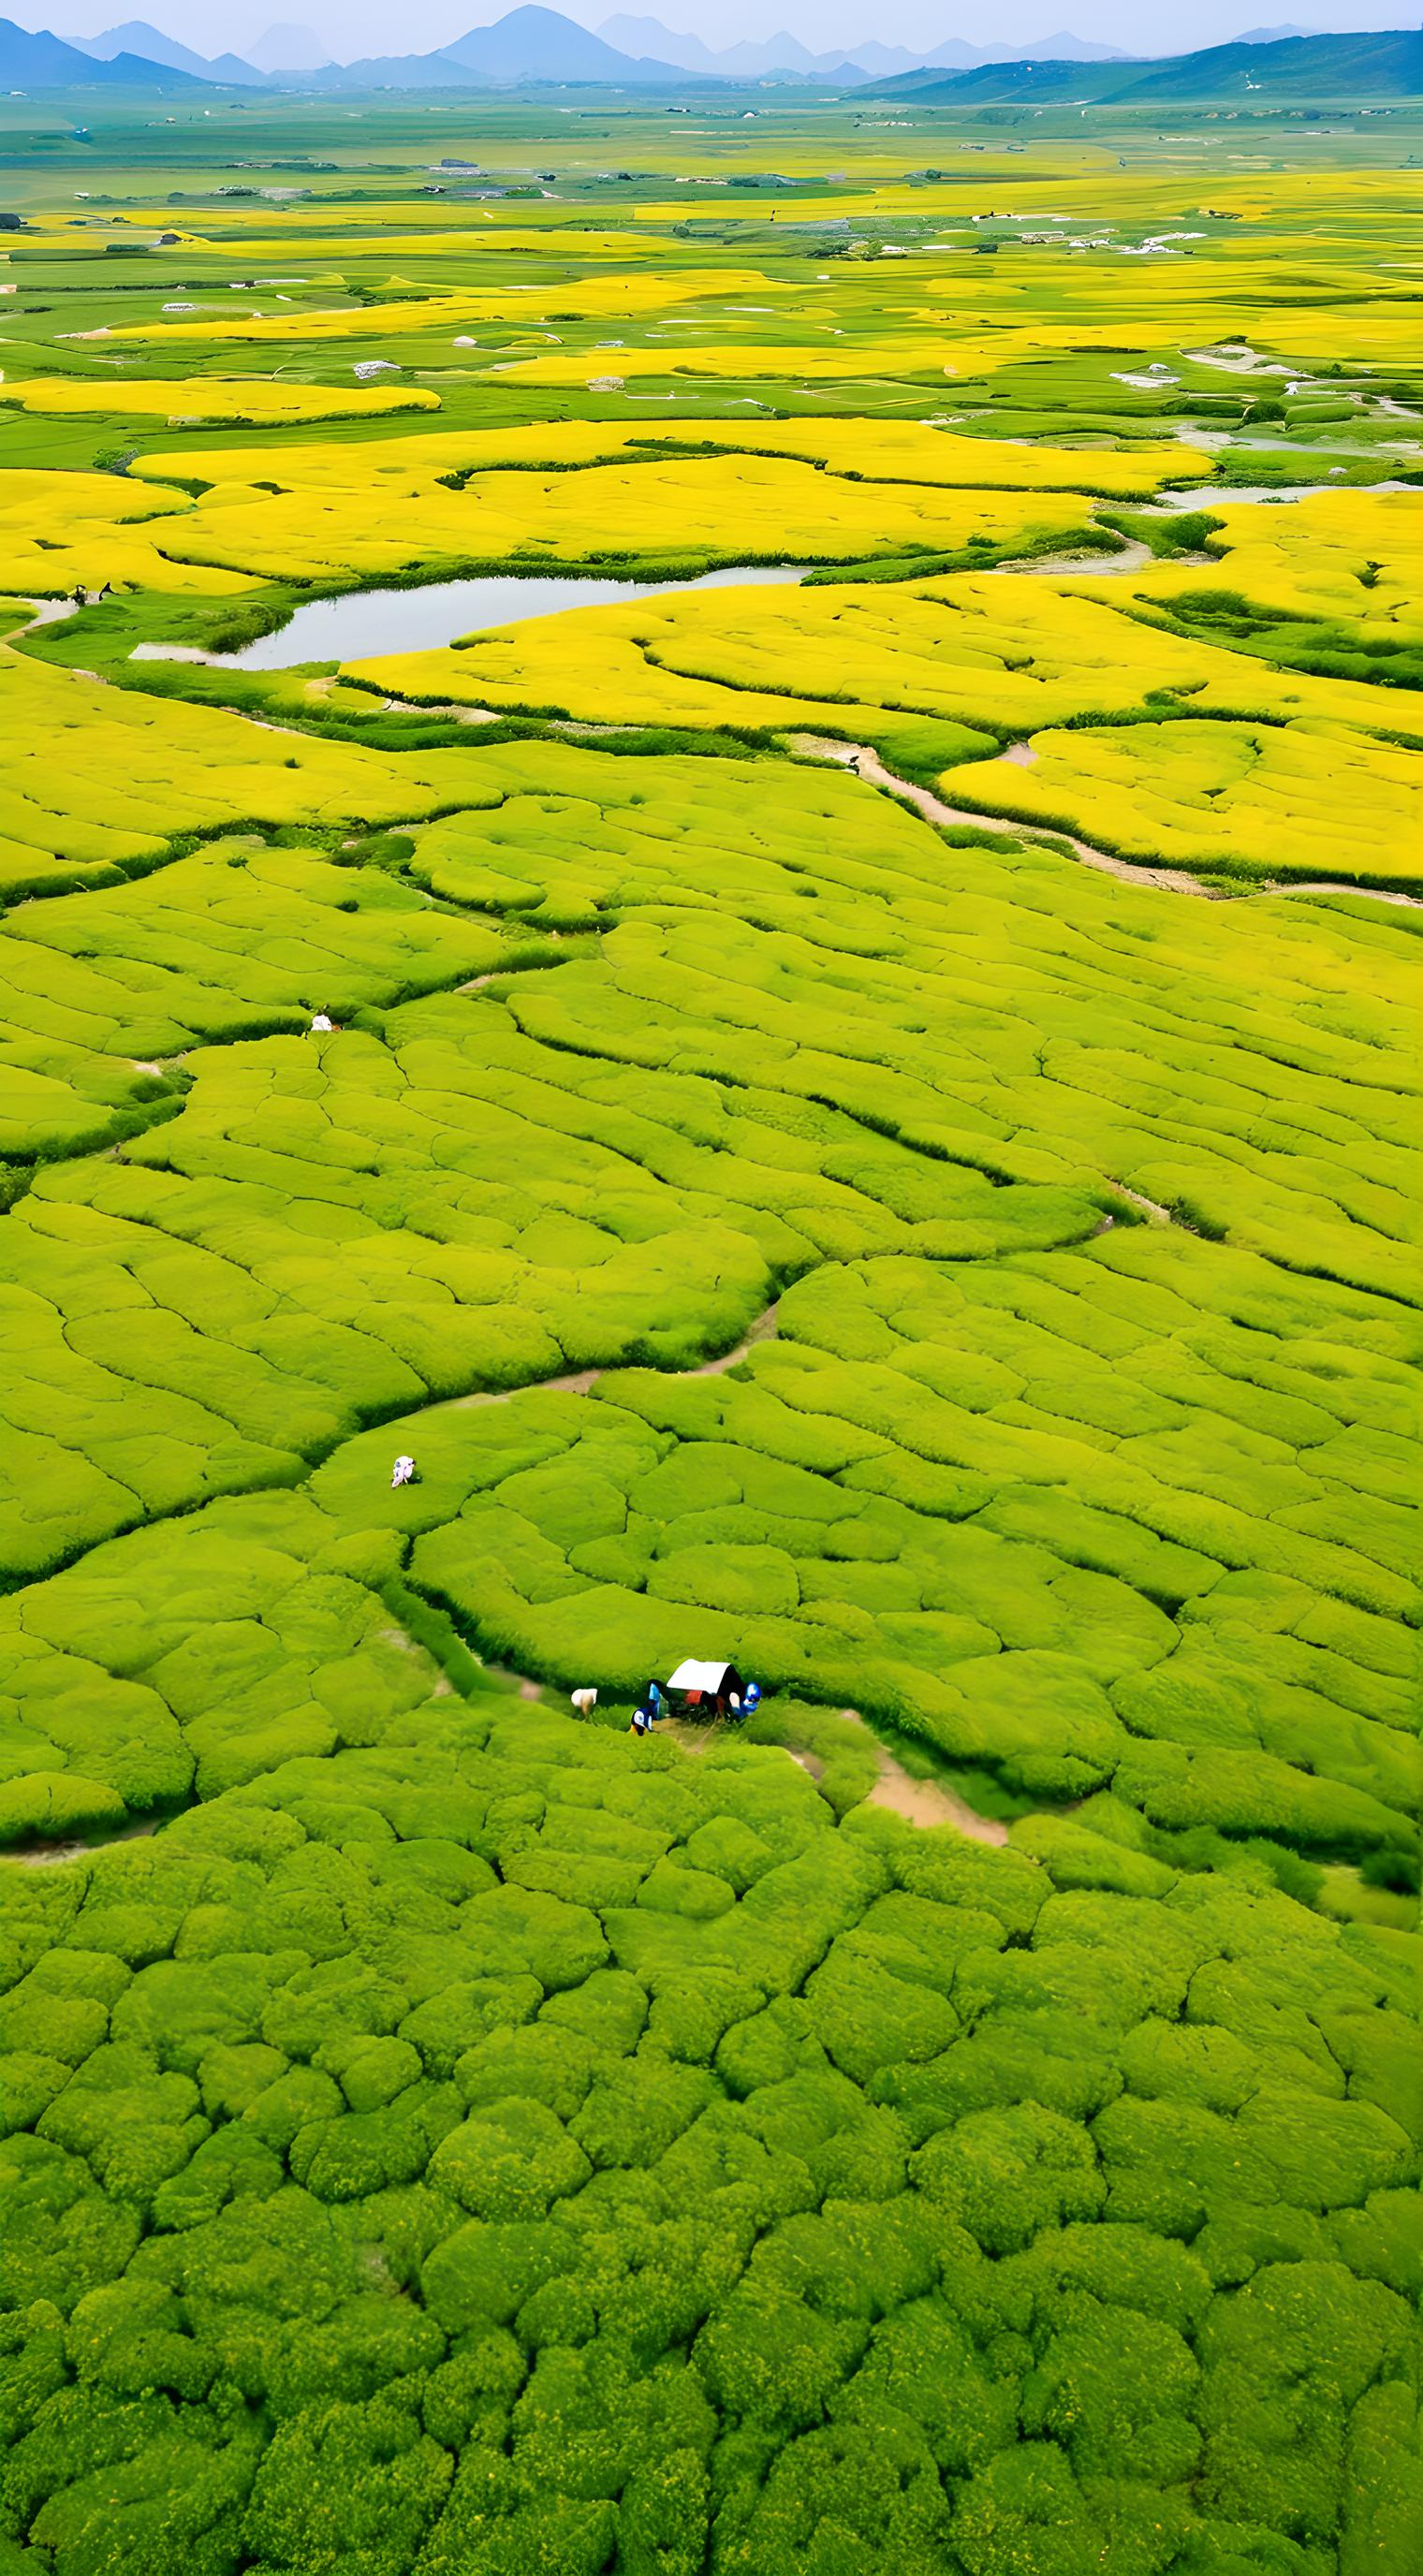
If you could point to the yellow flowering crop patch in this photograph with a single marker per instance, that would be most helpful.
(177, 400)
(928, 342)
(1298, 800)
(1007, 651)
(59, 531)
(739, 507)
(95, 781)
(472, 496)
(343, 234)
(1081, 187)
(639, 291)
(1355, 556)
(600, 665)
(345, 222)
(868, 453)
(738, 360)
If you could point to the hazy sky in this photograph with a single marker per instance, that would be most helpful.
(348, 28)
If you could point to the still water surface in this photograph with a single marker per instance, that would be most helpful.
(363, 622)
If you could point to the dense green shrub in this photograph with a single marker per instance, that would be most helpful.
(532, 2223)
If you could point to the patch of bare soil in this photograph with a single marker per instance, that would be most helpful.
(578, 1381)
(927, 1802)
(46, 1855)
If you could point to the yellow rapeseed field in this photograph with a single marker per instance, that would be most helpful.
(186, 400)
(1306, 799)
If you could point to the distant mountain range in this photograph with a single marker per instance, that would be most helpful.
(869, 61)
(288, 49)
(138, 42)
(1265, 65)
(530, 44)
(534, 45)
(42, 61)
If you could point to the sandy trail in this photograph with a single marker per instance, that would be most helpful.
(928, 1802)
(1333, 885)
(47, 1855)
(1233, 358)
(920, 1802)
(578, 1381)
(864, 760)
(47, 612)
(1150, 1208)
(1134, 556)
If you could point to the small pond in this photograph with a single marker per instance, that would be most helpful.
(364, 622)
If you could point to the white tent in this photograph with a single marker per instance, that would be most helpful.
(711, 1678)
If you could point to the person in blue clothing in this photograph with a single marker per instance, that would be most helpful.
(641, 1722)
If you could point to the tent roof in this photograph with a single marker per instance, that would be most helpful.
(702, 1677)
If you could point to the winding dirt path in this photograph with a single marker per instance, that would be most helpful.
(47, 612)
(1333, 885)
(1134, 556)
(919, 1802)
(47, 1855)
(1151, 1209)
(579, 1381)
(864, 760)
(928, 1802)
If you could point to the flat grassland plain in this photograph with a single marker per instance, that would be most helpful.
(460, 2141)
